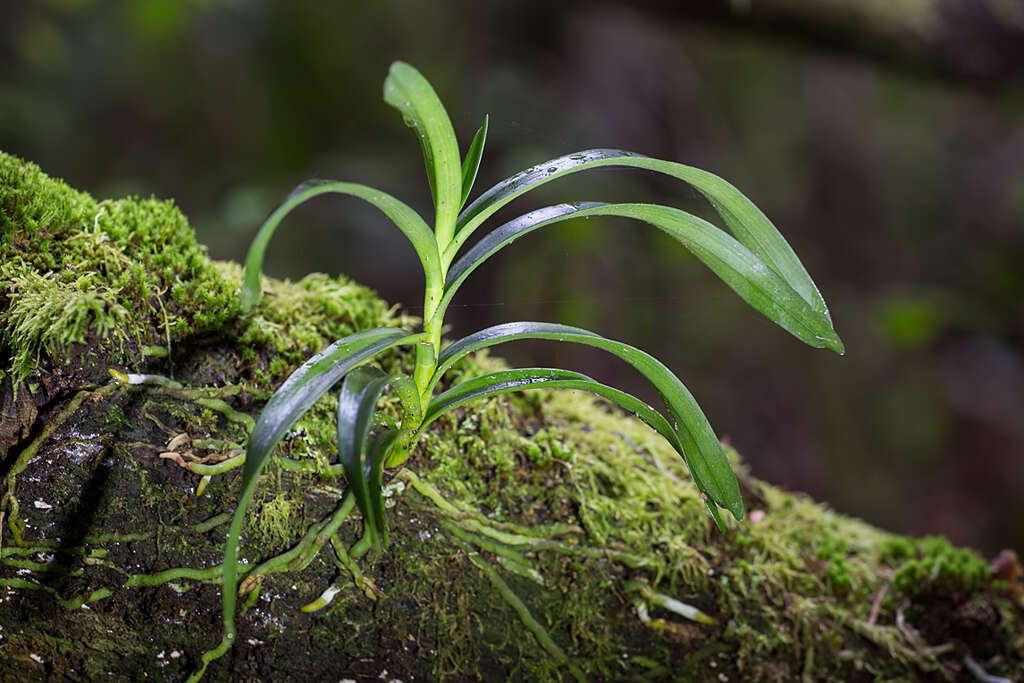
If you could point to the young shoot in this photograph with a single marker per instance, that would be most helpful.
(754, 260)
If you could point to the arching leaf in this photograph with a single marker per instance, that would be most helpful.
(294, 397)
(407, 220)
(356, 402)
(692, 434)
(408, 91)
(380, 444)
(737, 266)
(546, 378)
(747, 222)
(499, 382)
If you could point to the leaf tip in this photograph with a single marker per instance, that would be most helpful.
(737, 510)
(828, 340)
(836, 344)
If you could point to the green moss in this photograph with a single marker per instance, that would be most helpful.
(131, 270)
(628, 482)
(127, 269)
(602, 501)
(34, 207)
(48, 315)
(294, 319)
(834, 551)
(277, 521)
(932, 564)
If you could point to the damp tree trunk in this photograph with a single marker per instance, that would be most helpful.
(538, 537)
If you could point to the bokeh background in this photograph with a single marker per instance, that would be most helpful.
(885, 139)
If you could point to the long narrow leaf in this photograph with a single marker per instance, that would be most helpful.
(311, 381)
(377, 451)
(545, 378)
(407, 220)
(751, 227)
(736, 265)
(356, 402)
(499, 382)
(693, 433)
(298, 393)
(408, 91)
(471, 164)
(524, 378)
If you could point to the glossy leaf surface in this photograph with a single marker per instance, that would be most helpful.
(377, 449)
(407, 220)
(737, 266)
(747, 222)
(471, 164)
(294, 397)
(692, 435)
(359, 394)
(408, 91)
(499, 382)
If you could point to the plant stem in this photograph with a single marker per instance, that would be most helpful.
(427, 350)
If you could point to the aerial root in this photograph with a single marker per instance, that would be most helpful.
(521, 610)
(350, 570)
(980, 674)
(876, 606)
(475, 523)
(671, 604)
(8, 502)
(888, 638)
(210, 397)
(68, 604)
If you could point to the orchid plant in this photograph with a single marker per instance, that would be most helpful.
(755, 261)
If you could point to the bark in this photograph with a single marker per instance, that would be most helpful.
(542, 537)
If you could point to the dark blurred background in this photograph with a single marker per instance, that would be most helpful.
(885, 139)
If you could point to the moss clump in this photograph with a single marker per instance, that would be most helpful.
(276, 520)
(834, 551)
(130, 271)
(50, 313)
(929, 565)
(294, 319)
(72, 267)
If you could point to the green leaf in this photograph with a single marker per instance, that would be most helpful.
(750, 226)
(499, 382)
(408, 91)
(737, 266)
(311, 381)
(471, 164)
(692, 435)
(356, 402)
(294, 397)
(412, 416)
(407, 220)
(377, 450)
(547, 378)
(526, 378)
